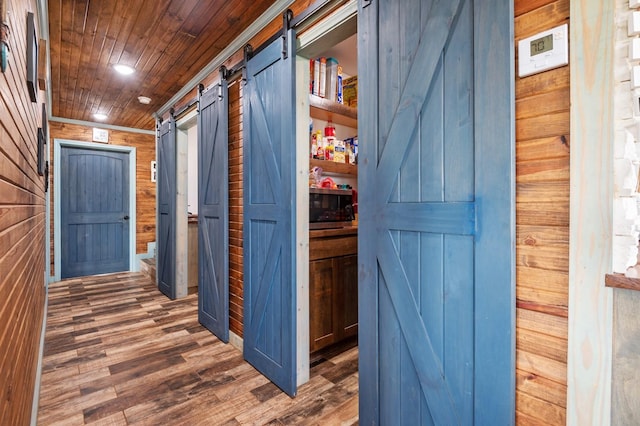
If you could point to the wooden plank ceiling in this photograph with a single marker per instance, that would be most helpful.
(167, 42)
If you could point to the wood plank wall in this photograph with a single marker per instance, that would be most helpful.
(22, 228)
(145, 189)
(542, 220)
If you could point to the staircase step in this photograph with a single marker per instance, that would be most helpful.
(148, 268)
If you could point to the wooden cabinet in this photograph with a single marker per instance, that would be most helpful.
(333, 289)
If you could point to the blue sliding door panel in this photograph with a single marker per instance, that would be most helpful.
(436, 229)
(269, 213)
(166, 216)
(213, 211)
(94, 212)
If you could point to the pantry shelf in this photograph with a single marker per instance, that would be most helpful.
(333, 167)
(324, 109)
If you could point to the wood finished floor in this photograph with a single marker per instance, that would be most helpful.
(118, 352)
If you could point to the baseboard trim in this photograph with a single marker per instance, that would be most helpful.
(36, 390)
(236, 341)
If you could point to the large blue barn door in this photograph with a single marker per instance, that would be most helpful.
(166, 193)
(213, 211)
(269, 213)
(436, 233)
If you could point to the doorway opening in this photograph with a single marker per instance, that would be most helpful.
(328, 120)
(187, 203)
(94, 229)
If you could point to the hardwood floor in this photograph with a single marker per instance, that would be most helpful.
(118, 352)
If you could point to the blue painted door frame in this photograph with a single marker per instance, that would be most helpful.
(269, 212)
(436, 230)
(213, 210)
(166, 152)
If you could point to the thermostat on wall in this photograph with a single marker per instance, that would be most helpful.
(543, 51)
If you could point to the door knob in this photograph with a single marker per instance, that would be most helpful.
(126, 217)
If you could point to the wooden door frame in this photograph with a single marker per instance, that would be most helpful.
(591, 305)
(337, 26)
(58, 144)
(183, 124)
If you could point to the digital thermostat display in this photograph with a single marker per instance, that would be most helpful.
(541, 45)
(543, 51)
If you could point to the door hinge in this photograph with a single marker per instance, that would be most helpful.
(287, 16)
(366, 3)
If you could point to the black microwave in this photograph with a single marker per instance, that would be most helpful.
(330, 208)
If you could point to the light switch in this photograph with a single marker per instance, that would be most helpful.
(634, 24)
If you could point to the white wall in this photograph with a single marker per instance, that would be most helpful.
(192, 164)
(626, 148)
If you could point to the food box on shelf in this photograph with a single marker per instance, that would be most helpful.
(350, 91)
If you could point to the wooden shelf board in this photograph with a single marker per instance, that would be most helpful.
(333, 167)
(621, 281)
(324, 109)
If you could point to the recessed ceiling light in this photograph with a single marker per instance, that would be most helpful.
(144, 100)
(123, 69)
(99, 116)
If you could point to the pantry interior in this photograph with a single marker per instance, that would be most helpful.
(330, 194)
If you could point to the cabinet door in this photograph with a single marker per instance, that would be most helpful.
(321, 304)
(347, 292)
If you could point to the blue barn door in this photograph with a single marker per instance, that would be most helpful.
(436, 230)
(166, 216)
(269, 213)
(94, 212)
(213, 211)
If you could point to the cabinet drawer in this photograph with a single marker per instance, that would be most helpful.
(324, 248)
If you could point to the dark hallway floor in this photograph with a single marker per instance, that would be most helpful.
(118, 352)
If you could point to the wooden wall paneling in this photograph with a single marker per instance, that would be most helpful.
(522, 7)
(145, 189)
(22, 229)
(543, 103)
(541, 388)
(543, 126)
(543, 411)
(539, 83)
(540, 149)
(542, 232)
(542, 18)
(592, 34)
